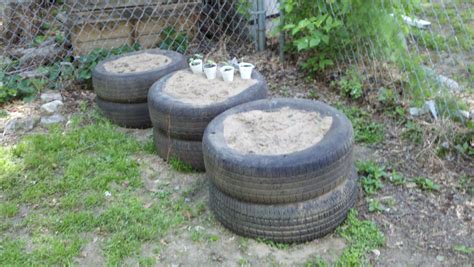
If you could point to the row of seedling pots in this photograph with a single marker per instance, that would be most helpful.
(227, 71)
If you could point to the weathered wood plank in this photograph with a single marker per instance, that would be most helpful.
(90, 5)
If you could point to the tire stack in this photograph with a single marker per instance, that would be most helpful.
(122, 97)
(286, 198)
(178, 127)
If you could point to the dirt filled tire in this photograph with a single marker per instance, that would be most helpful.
(286, 223)
(125, 115)
(185, 121)
(285, 178)
(133, 87)
(189, 152)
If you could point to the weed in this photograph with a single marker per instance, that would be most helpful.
(243, 244)
(3, 113)
(273, 243)
(466, 183)
(350, 84)
(372, 175)
(179, 165)
(413, 133)
(244, 262)
(312, 94)
(396, 178)
(87, 63)
(366, 130)
(173, 40)
(426, 184)
(213, 238)
(362, 237)
(317, 262)
(463, 249)
(375, 205)
(197, 235)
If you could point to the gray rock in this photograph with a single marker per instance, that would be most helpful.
(42, 54)
(20, 124)
(50, 96)
(53, 119)
(51, 107)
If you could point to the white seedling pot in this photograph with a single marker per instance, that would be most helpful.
(210, 71)
(196, 66)
(227, 73)
(246, 70)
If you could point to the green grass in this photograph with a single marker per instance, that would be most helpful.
(273, 243)
(365, 129)
(361, 237)
(463, 249)
(73, 184)
(179, 165)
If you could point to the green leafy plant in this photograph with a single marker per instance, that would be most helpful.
(195, 57)
(87, 63)
(426, 184)
(413, 133)
(463, 249)
(313, 33)
(366, 130)
(375, 205)
(350, 84)
(371, 176)
(173, 40)
(396, 178)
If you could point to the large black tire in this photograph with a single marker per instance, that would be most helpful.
(133, 87)
(189, 152)
(184, 121)
(125, 115)
(286, 178)
(286, 223)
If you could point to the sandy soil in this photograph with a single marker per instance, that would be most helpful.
(198, 91)
(272, 133)
(137, 63)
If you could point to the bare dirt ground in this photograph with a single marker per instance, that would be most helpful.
(421, 228)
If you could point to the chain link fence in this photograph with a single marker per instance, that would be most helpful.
(47, 43)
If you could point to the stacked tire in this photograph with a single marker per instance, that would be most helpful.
(122, 97)
(178, 127)
(286, 198)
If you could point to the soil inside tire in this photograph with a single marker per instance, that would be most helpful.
(137, 63)
(282, 131)
(196, 90)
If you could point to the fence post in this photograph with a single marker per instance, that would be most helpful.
(282, 32)
(261, 17)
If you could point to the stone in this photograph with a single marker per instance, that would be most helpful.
(56, 118)
(376, 252)
(46, 53)
(51, 107)
(20, 124)
(49, 96)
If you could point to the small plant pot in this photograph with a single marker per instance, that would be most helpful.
(210, 70)
(227, 73)
(245, 70)
(196, 66)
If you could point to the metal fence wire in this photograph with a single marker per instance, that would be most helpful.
(45, 42)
